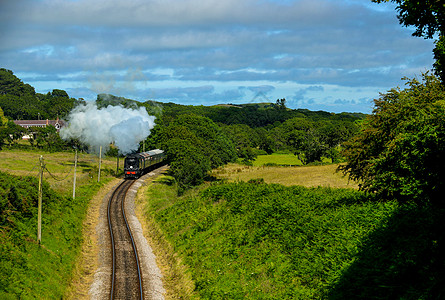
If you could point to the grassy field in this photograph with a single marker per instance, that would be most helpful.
(309, 176)
(278, 159)
(60, 166)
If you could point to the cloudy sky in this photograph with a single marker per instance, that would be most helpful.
(332, 55)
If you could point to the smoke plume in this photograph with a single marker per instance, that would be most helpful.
(99, 127)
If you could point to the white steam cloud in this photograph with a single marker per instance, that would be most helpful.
(99, 127)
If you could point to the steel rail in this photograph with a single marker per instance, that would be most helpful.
(134, 249)
(123, 186)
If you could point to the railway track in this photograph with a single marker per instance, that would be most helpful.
(126, 278)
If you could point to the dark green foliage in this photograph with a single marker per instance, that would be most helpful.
(194, 145)
(310, 140)
(405, 259)
(19, 101)
(264, 241)
(428, 16)
(104, 100)
(439, 56)
(401, 150)
(47, 138)
(27, 270)
(10, 84)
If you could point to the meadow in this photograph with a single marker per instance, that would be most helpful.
(287, 170)
(59, 167)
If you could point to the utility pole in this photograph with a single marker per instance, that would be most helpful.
(74, 180)
(100, 161)
(117, 164)
(39, 215)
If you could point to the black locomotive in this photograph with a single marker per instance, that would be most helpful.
(136, 165)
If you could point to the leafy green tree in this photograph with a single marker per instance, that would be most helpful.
(3, 122)
(428, 17)
(10, 84)
(245, 140)
(305, 140)
(439, 56)
(13, 132)
(194, 145)
(400, 152)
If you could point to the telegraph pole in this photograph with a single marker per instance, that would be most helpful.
(74, 180)
(39, 215)
(117, 163)
(100, 160)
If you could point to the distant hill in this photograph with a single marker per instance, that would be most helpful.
(19, 101)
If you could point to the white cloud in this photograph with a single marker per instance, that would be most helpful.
(223, 44)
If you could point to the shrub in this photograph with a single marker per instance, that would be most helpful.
(400, 151)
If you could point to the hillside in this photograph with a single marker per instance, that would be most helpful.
(19, 101)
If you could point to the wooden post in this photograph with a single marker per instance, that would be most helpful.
(39, 214)
(74, 180)
(100, 161)
(117, 166)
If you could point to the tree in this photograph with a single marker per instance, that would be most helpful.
(244, 138)
(428, 16)
(194, 145)
(439, 56)
(400, 152)
(13, 132)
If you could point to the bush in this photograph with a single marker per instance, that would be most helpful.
(266, 241)
(400, 151)
(29, 270)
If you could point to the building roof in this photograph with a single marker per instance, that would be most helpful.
(40, 123)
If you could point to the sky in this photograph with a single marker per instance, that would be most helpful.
(331, 55)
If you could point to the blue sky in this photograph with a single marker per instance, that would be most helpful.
(332, 55)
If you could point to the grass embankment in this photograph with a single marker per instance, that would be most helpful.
(265, 241)
(256, 240)
(29, 270)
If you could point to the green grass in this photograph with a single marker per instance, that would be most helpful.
(60, 166)
(282, 159)
(29, 270)
(266, 241)
(278, 159)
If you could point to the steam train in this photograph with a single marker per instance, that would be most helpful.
(136, 165)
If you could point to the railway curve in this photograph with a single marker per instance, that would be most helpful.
(126, 277)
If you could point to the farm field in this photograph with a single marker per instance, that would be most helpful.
(278, 159)
(60, 165)
(308, 176)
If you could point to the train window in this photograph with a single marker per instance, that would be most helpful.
(131, 161)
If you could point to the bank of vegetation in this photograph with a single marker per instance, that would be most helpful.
(29, 270)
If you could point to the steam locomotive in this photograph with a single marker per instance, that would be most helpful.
(135, 165)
